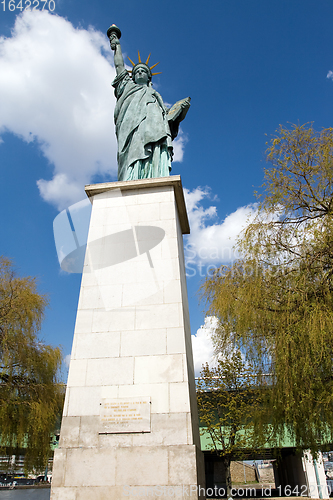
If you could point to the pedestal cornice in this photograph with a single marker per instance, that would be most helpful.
(174, 181)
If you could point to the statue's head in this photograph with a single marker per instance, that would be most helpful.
(144, 70)
(141, 74)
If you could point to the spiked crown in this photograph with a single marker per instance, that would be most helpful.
(145, 65)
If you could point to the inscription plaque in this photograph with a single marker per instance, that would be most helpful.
(125, 415)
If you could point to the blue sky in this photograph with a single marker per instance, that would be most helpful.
(248, 67)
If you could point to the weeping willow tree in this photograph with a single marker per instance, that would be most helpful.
(277, 301)
(30, 395)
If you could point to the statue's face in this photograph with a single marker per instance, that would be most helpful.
(141, 76)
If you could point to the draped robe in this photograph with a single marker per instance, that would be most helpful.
(142, 129)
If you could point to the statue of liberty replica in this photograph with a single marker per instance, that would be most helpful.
(145, 127)
(130, 423)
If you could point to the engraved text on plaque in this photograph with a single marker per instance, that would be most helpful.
(125, 415)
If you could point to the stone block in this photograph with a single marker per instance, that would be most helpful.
(89, 279)
(90, 298)
(120, 319)
(167, 210)
(121, 274)
(157, 270)
(146, 196)
(90, 467)
(77, 373)
(109, 391)
(169, 227)
(149, 234)
(61, 493)
(95, 232)
(105, 371)
(148, 293)
(70, 430)
(144, 342)
(158, 392)
(135, 467)
(144, 213)
(170, 248)
(82, 401)
(166, 430)
(58, 475)
(99, 217)
(110, 199)
(175, 340)
(97, 345)
(128, 198)
(179, 397)
(172, 292)
(157, 316)
(118, 213)
(115, 440)
(182, 465)
(89, 429)
(100, 493)
(110, 294)
(65, 408)
(158, 369)
(84, 321)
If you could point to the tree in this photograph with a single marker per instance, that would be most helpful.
(277, 299)
(30, 395)
(232, 409)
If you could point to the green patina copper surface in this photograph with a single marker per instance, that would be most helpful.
(145, 127)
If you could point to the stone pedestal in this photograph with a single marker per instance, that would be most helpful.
(130, 425)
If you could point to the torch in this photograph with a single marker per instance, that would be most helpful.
(113, 30)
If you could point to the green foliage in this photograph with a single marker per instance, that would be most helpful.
(277, 300)
(231, 406)
(232, 409)
(30, 396)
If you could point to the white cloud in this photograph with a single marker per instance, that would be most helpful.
(178, 146)
(212, 243)
(330, 75)
(67, 360)
(55, 89)
(61, 190)
(204, 350)
(202, 345)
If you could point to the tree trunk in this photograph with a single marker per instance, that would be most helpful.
(226, 463)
